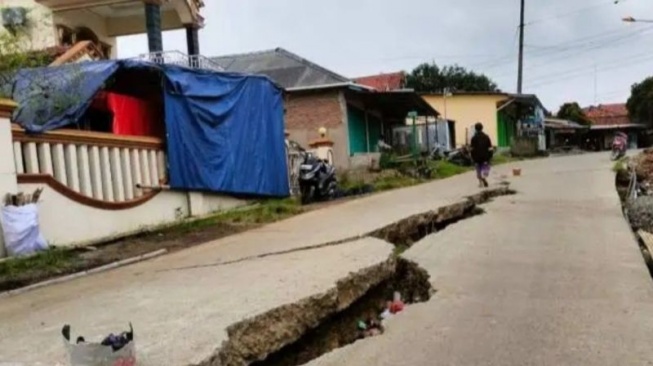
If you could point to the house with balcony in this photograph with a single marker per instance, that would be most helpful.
(87, 29)
(116, 157)
(111, 166)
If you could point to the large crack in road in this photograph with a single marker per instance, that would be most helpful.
(297, 333)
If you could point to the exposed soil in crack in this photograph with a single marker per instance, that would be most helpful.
(339, 329)
(297, 333)
(404, 233)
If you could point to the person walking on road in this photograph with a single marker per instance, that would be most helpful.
(481, 146)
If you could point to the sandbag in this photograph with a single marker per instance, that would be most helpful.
(20, 227)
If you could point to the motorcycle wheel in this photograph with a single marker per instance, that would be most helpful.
(306, 194)
(332, 190)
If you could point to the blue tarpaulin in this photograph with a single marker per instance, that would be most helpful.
(225, 132)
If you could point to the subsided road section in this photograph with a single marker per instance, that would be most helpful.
(551, 276)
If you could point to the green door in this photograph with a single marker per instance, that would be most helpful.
(374, 132)
(357, 131)
(505, 130)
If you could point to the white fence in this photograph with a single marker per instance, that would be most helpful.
(178, 58)
(101, 166)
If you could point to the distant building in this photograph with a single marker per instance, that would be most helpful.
(88, 29)
(384, 82)
(355, 115)
(606, 120)
(613, 115)
(500, 113)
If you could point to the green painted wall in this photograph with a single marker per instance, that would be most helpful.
(358, 131)
(356, 126)
(374, 133)
(506, 130)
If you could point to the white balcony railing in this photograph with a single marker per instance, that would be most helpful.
(181, 59)
(100, 166)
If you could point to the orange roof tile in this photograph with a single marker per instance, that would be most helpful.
(608, 114)
(384, 82)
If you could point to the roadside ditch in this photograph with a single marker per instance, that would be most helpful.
(297, 333)
(637, 204)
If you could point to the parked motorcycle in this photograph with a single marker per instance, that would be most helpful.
(619, 146)
(317, 179)
(461, 157)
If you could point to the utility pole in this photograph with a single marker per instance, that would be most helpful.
(596, 84)
(520, 71)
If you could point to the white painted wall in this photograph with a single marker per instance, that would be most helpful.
(8, 182)
(67, 223)
(202, 204)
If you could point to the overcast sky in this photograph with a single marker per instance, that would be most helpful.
(575, 49)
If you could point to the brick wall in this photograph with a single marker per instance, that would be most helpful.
(314, 110)
(307, 112)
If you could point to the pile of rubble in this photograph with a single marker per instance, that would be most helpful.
(640, 209)
(643, 164)
(640, 213)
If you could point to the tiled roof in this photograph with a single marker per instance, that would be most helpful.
(384, 82)
(284, 67)
(608, 114)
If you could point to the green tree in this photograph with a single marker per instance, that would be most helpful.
(45, 96)
(16, 53)
(640, 103)
(431, 78)
(573, 112)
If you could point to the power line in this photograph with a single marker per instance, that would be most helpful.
(554, 57)
(571, 13)
(575, 45)
(569, 75)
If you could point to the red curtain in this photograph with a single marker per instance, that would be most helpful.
(135, 117)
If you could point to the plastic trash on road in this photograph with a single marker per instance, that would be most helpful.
(397, 304)
(20, 225)
(113, 350)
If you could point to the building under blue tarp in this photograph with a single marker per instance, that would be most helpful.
(224, 132)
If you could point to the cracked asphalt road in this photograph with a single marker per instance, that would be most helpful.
(551, 276)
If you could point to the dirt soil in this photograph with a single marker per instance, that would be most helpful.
(68, 262)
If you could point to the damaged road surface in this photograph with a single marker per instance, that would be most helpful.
(251, 297)
(551, 276)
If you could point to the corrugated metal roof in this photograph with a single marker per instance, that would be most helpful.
(286, 68)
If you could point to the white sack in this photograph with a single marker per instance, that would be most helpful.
(20, 226)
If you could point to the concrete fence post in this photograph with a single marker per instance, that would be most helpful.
(8, 181)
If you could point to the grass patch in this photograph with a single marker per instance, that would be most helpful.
(444, 169)
(51, 261)
(393, 182)
(263, 212)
